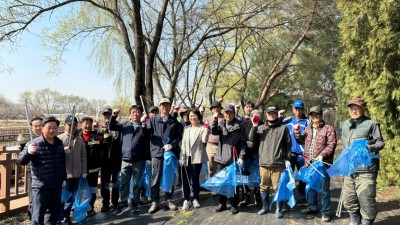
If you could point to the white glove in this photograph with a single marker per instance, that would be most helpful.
(32, 149)
(287, 163)
(240, 161)
(144, 118)
(67, 149)
(84, 175)
(250, 144)
(319, 158)
(21, 139)
(167, 147)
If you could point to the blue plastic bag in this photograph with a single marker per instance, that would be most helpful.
(146, 178)
(351, 158)
(311, 175)
(169, 168)
(81, 201)
(254, 168)
(203, 173)
(65, 195)
(285, 190)
(223, 182)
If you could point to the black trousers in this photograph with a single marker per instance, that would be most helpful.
(46, 205)
(222, 199)
(110, 170)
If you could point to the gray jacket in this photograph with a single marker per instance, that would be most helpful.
(75, 161)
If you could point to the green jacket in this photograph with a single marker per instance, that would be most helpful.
(364, 128)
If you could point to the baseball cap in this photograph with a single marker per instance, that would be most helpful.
(106, 109)
(151, 109)
(183, 110)
(271, 109)
(229, 107)
(69, 119)
(298, 104)
(357, 101)
(164, 100)
(316, 109)
(215, 105)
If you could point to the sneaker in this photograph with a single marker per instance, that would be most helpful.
(170, 206)
(326, 217)
(91, 213)
(196, 204)
(135, 209)
(153, 208)
(309, 211)
(278, 214)
(143, 200)
(105, 208)
(118, 210)
(220, 208)
(186, 205)
(234, 210)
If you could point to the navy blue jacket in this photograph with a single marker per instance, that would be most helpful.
(135, 142)
(48, 165)
(158, 128)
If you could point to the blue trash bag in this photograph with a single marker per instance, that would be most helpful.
(254, 168)
(223, 182)
(311, 175)
(203, 173)
(145, 180)
(169, 168)
(65, 195)
(285, 190)
(81, 201)
(351, 158)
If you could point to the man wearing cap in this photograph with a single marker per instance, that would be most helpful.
(274, 152)
(297, 123)
(94, 149)
(47, 158)
(153, 111)
(231, 146)
(135, 152)
(75, 161)
(319, 141)
(359, 189)
(213, 140)
(166, 134)
(110, 164)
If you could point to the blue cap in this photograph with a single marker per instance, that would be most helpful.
(229, 107)
(298, 104)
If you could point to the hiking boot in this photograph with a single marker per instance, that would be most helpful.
(220, 208)
(234, 210)
(355, 218)
(367, 222)
(186, 205)
(196, 204)
(170, 206)
(309, 211)
(326, 217)
(153, 208)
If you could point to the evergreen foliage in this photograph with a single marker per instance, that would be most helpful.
(370, 67)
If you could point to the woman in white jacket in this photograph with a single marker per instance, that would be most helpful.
(193, 154)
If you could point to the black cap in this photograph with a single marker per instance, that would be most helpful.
(69, 119)
(151, 109)
(50, 119)
(215, 104)
(229, 107)
(106, 109)
(316, 109)
(271, 109)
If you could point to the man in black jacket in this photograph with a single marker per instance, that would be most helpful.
(47, 158)
(166, 134)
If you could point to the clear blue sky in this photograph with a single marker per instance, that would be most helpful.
(77, 76)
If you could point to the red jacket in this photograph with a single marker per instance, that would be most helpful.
(325, 142)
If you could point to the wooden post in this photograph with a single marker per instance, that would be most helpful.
(5, 170)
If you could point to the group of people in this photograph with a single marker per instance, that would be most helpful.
(120, 152)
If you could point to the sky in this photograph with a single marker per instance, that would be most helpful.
(30, 72)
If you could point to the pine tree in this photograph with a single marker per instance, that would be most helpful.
(370, 67)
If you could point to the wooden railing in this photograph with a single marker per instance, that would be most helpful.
(13, 192)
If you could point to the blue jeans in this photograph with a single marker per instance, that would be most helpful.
(325, 196)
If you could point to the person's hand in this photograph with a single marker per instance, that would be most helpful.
(32, 148)
(240, 161)
(144, 118)
(21, 139)
(296, 128)
(84, 175)
(287, 164)
(201, 110)
(167, 147)
(205, 124)
(237, 107)
(256, 120)
(281, 113)
(176, 108)
(221, 100)
(67, 149)
(249, 144)
(215, 116)
(319, 158)
(116, 112)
